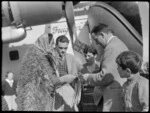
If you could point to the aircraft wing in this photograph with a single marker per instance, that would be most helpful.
(25, 14)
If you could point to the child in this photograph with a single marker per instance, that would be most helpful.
(9, 91)
(135, 90)
(91, 66)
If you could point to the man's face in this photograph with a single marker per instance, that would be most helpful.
(90, 58)
(99, 39)
(62, 48)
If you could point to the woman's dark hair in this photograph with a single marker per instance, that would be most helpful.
(9, 71)
(50, 37)
(90, 49)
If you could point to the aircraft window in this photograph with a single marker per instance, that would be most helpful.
(14, 55)
(130, 11)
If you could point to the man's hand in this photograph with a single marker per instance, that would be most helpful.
(67, 78)
(83, 77)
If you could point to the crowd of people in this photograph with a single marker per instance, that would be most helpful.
(50, 80)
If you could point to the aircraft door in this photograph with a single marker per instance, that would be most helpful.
(103, 13)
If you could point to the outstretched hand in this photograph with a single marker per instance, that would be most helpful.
(80, 77)
(83, 77)
(67, 78)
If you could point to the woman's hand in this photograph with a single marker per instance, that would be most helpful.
(67, 78)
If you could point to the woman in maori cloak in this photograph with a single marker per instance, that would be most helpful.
(38, 76)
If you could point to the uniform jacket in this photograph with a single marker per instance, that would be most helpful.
(108, 82)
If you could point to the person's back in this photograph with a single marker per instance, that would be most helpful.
(113, 89)
(112, 50)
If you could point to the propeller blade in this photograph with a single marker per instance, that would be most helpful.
(70, 21)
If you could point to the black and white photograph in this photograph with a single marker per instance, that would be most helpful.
(80, 56)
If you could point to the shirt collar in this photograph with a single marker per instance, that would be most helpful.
(133, 78)
(57, 54)
(10, 81)
(110, 39)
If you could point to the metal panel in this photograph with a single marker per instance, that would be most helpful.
(37, 13)
(102, 13)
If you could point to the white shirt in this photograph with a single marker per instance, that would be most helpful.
(10, 82)
(110, 39)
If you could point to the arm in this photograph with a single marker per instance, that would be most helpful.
(49, 70)
(107, 72)
(15, 87)
(100, 79)
(143, 92)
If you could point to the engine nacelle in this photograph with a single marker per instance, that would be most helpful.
(32, 13)
(10, 34)
(24, 14)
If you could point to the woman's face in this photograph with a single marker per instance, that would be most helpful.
(51, 45)
(10, 76)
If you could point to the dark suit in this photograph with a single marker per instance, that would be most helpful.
(108, 80)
